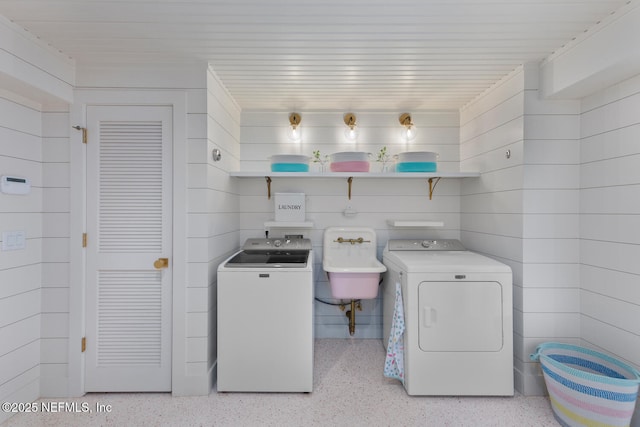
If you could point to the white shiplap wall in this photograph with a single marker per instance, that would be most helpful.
(550, 280)
(375, 200)
(219, 223)
(21, 270)
(523, 209)
(491, 218)
(610, 220)
(55, 253)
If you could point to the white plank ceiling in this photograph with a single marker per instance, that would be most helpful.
(321, 54)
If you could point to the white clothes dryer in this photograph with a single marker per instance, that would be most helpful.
(458, 314)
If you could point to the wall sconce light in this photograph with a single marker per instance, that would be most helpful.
(409, 131)
(351, 132)
(294, 132)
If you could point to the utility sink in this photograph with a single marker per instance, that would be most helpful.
(349, 258)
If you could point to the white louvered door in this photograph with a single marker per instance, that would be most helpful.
(128, 317)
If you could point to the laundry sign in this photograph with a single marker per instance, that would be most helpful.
(290, 207)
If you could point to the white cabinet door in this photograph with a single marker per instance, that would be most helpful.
(128, 298)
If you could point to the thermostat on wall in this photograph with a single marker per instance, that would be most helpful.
(15, 185)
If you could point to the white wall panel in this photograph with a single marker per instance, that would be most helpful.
(611, 339)
(535, 182)
(611, 172)
(18, 334)
(55, 224)
(55, 300)
(495, 180)
(610, 145)
(551, 300)
(55, 324)
(56, 199)
(19, 145)
(610, 219)
(551, 177)
(54, 274)
(552, 326)
(501, 201)
(55, 350)
(611, 311)
(55, 252)
(611, 255)
(19, 279)
(551, 275)
(509, 86)
(545, 226)
(553, 151)
(18, 362)
(621, 228)
(56, 148)
(20, 270)
(613, 284)
(197, 323)
(217, 214)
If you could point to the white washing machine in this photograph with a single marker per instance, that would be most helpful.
(265, 317)
(458, 338)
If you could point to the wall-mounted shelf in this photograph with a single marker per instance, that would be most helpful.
(432, 177)
(288, 224)
(414, 223)
(392, 175)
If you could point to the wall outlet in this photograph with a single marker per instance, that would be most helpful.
(14, 240)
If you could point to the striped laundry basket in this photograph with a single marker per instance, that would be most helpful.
(587, 388)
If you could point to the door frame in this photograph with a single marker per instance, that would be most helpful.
(77, 217)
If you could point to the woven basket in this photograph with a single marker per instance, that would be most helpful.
(587, 388)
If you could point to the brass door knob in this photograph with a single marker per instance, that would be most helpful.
(161, 263)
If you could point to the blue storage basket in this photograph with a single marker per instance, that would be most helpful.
(587, 388)
(416, 167)
(289, 167)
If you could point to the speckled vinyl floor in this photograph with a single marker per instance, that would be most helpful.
(349, 390)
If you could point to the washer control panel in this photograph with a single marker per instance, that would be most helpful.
(280, 243)
(425, 245)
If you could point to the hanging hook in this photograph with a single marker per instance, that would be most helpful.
(268, 178)
(84, 132)
(432, 186)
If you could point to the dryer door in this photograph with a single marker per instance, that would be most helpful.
(460, 316)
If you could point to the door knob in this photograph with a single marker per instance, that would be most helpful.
(161, 263)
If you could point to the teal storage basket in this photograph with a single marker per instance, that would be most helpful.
(587, 388)
(416, 167)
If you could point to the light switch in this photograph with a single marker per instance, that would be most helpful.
(21, 239)
(14, 240)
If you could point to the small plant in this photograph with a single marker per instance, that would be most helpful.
(383, 157)
(318, 158)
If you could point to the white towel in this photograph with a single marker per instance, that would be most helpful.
(394, 363)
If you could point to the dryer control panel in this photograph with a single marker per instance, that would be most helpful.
(425, 245)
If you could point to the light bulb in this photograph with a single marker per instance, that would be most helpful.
(409, 133)
(294, 133)
(351, 133)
